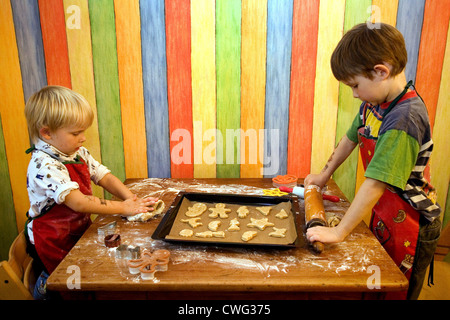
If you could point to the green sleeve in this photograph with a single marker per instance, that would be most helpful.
(394, 158)
(352, 132)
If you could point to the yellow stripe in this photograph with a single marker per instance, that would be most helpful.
(131, 87)
(253, 83)
(203, 87)
(331, 19)
(78, 32)
(12, 104)
(440, 170)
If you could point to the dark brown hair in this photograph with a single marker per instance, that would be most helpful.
(361, 48)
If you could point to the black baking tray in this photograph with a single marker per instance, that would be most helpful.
(167, 221)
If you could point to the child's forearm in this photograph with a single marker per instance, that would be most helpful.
(340, 153)
(369, 193)
(113, 185)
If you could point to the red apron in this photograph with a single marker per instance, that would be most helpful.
(58, 230)
(394, 222)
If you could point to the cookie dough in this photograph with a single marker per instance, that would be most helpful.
(261, 224)
(234, 225)
(210, 234)
(196, 210)
(264, 210)
(243, 212)
(158, 208)
(193, 222)
(214, 225)
(219, 211)
(248, 235)
(282, 214)
(186, 233)
(278, 233)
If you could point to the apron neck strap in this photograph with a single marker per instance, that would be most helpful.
(397, 99)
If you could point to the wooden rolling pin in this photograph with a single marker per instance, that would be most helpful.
(314, 212)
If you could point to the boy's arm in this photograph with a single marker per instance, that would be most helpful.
(80, 202)
(340, 153)
(370, 191)
(113, 185)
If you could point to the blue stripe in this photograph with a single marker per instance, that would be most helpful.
(154, 68)
(29, 43)
(409, 22)
(279, 40)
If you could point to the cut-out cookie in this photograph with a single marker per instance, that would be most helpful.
(261, 224)
(242, 212)
(158, 208)
(219, 211)
(278, 233)
(264, 210)
(210, 234)
(196, 210)
(214, 225)
(248, 235)
(193, 222)
(186, 233)
(282, 214)
(234, 225)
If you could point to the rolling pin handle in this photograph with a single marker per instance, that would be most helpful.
(318, 247)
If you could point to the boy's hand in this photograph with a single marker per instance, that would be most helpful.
(135, 205)
(316, 179)
(324, 234)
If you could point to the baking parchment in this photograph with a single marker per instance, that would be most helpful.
(262, 237)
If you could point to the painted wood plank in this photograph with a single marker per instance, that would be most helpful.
(13, 161)
(228, 73)
(345, 176)
(29, 42)
(409, 11)
(55, 42)
(303, 72)
(179, 88)
(154, 69)
(203, 87)
(279, 44)
(128, 33)
(8, 227)
(24, 48)
(440, 169)
(104, 53)
(431, 53)
(326, 92)
(253, 84)
(387, 10)
(78, 33)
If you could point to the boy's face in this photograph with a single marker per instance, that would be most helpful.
(67, 140)
(369, 90)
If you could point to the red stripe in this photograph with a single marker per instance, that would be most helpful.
(303, 71)
(178, 48)
(55, 42)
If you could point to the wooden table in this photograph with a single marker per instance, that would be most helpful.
(342, 271)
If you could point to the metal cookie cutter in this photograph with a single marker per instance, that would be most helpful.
(149, 264)
(107, 229)
(125, 251)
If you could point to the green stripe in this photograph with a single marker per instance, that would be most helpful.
(345, 175)
(228, 64)
(106, 79)
(8, 225)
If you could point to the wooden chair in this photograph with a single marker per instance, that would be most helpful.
(17, 276)
(443, 246)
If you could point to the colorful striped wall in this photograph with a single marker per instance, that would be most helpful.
(206, 88)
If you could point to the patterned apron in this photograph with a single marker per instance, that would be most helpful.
(58, 230)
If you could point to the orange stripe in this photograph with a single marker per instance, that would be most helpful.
(55, 42)
(131, 87)
(303, 72)
(431, 53)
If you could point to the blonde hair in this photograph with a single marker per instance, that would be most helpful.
(362, 48)
(56, 107)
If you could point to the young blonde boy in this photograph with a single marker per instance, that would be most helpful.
(60, 173)
(393, 132)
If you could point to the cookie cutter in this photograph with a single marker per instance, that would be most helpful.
(112, 240)
(149, 263)
(106, 230)
(128, 252)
